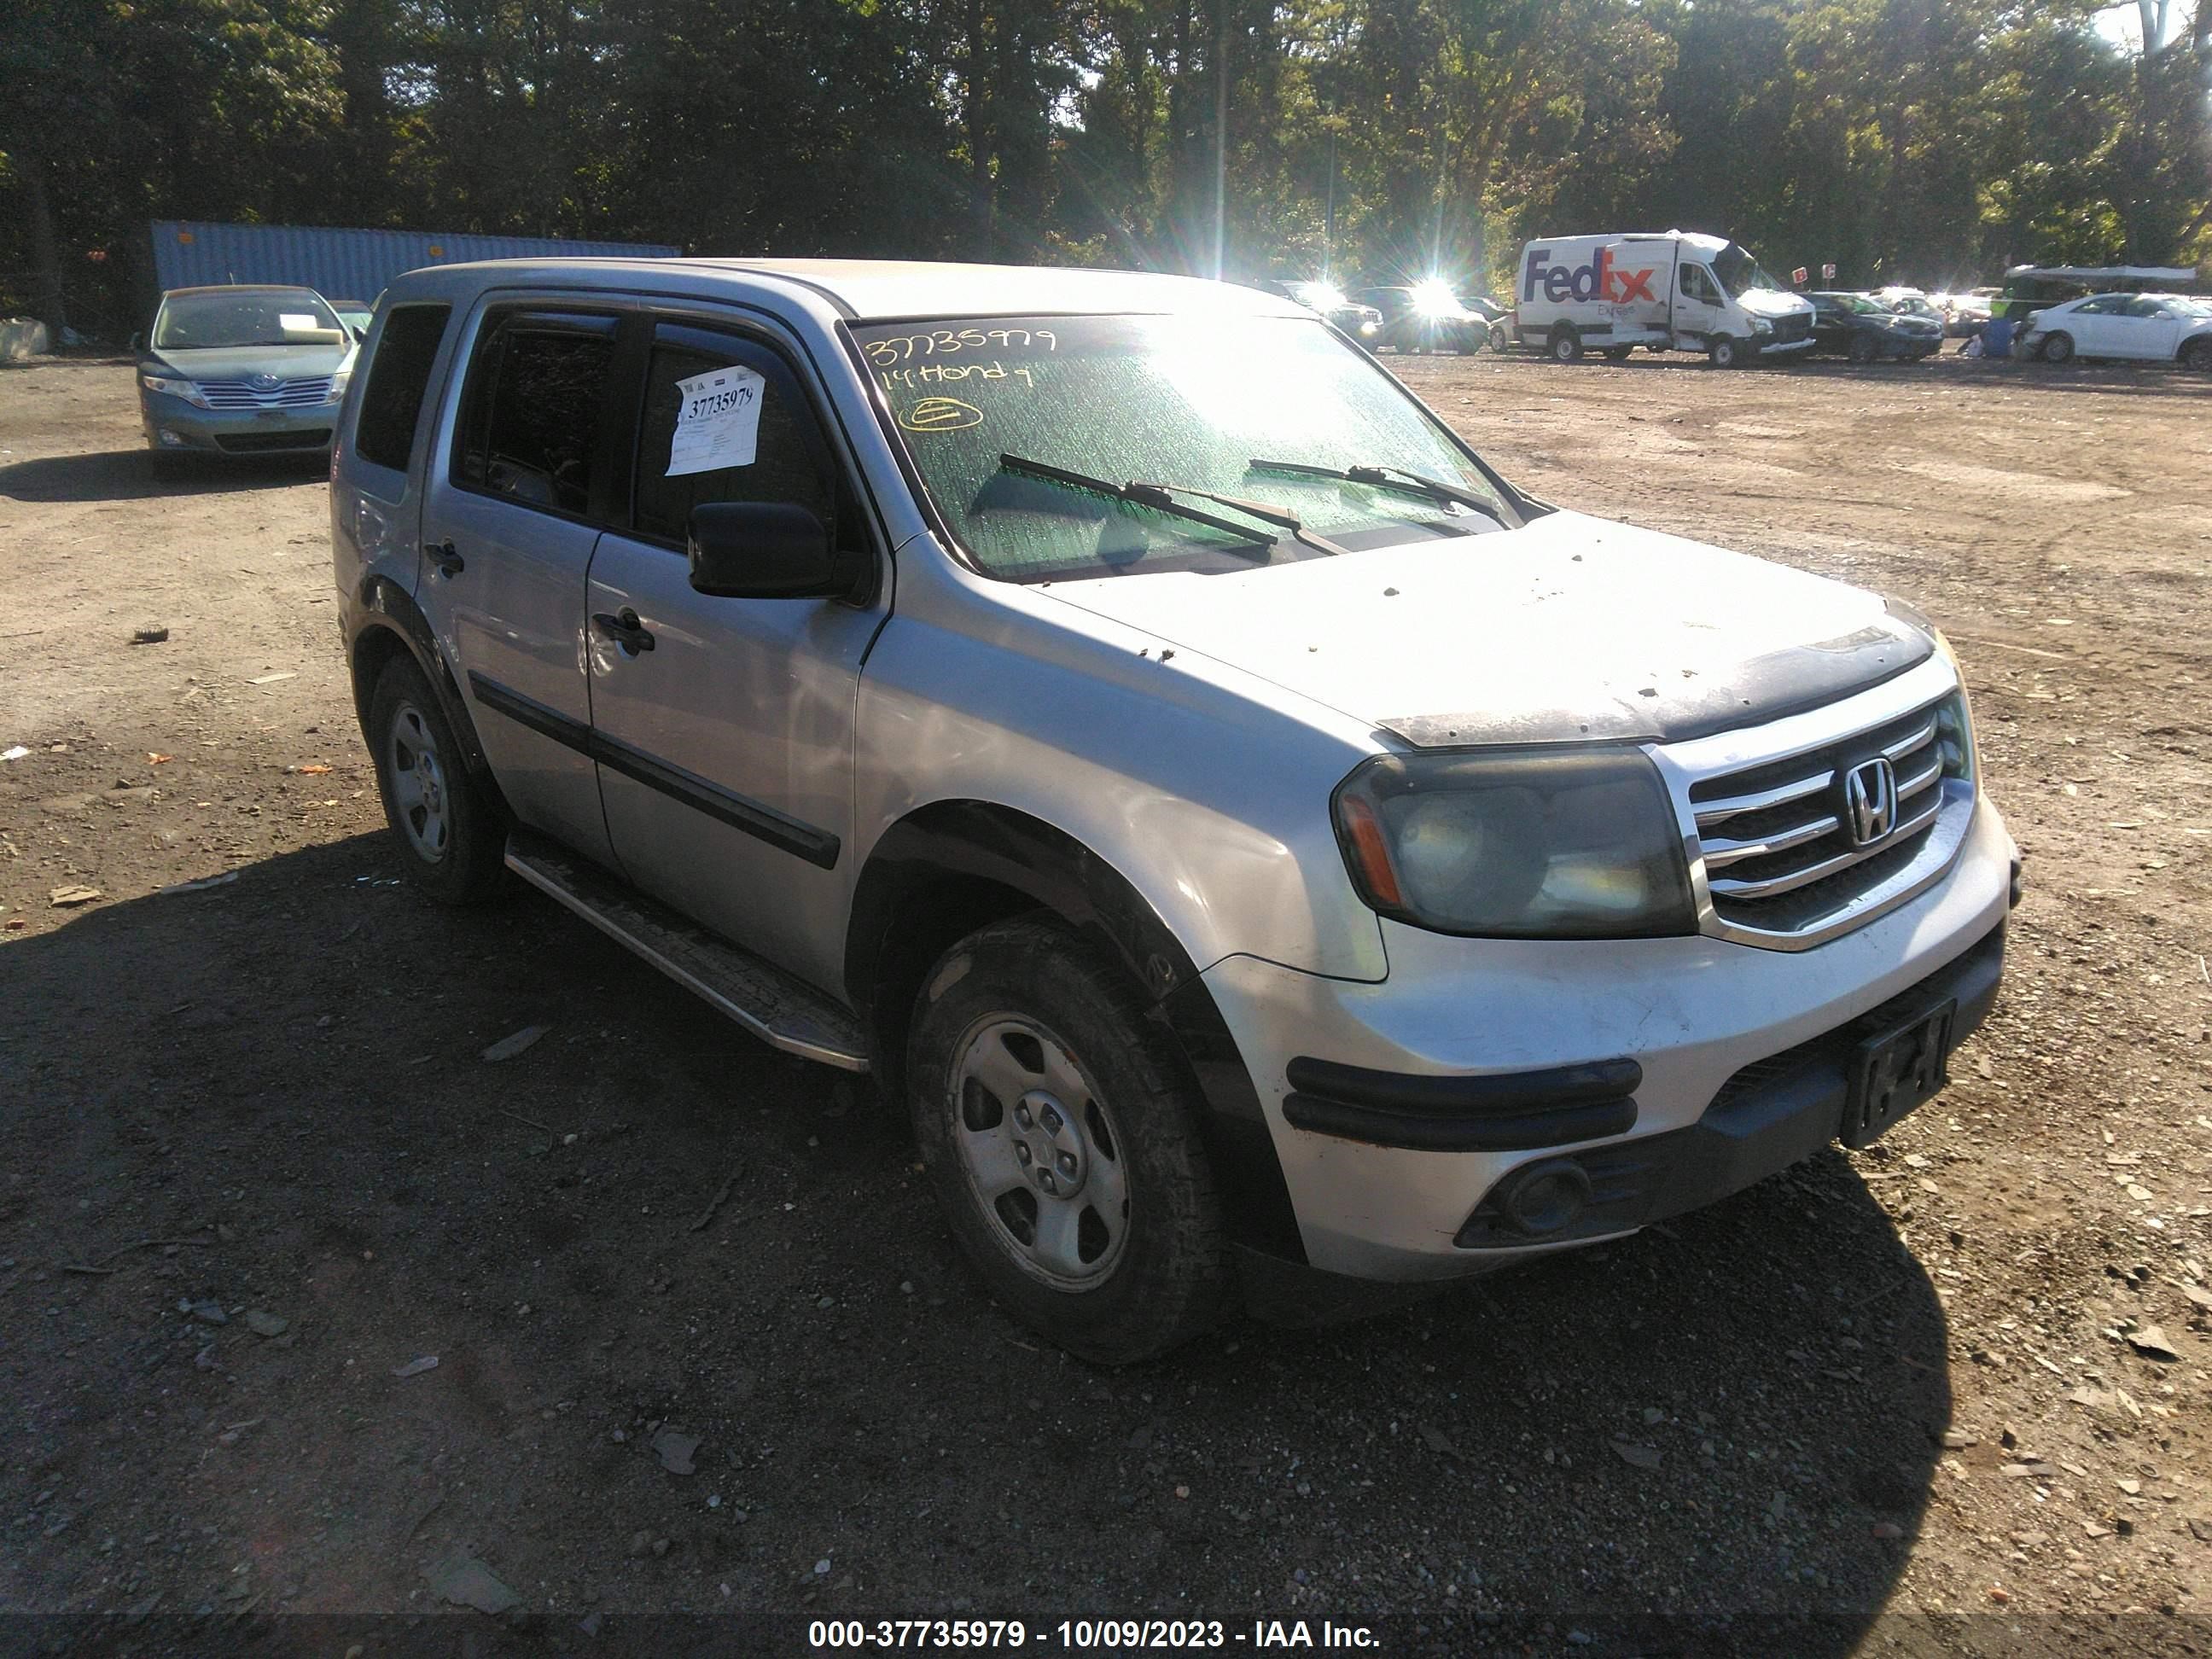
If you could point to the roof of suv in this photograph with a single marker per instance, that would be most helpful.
(882, 289)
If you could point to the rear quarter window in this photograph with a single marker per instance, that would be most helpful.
(398, 378)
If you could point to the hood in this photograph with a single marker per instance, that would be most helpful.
(292, 362)
(1572, 627)
(1768, 302)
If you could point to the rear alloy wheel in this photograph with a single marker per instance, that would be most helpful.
(1566, 345)
(1862, 348)
(2058, 348)
(451, 829)
(1061, 1138)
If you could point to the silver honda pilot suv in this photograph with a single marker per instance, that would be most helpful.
(1256, 842)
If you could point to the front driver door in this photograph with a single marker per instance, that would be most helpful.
(2148, 329)
(1697, 305)
(724, 726)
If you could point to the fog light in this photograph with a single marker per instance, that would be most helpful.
(1544, 1198)
(171, 439)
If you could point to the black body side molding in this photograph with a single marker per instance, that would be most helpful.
(1511, 1112)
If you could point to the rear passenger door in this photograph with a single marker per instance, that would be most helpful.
(724, 726)
(519, 490)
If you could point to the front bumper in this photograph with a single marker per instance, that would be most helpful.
(1771, 347)
(172, 424)
(1703, 1024)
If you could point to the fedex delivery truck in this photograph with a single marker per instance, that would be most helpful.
(1666, 291)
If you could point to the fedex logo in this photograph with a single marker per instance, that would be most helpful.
(1601, 279)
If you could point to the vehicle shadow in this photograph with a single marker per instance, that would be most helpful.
(131, 475)
(644, 1219)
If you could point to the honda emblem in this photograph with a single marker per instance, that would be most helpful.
(1870, 800)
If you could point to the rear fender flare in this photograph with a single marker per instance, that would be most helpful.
(384, 610)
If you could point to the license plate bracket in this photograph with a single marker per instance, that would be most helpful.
(1896, 1069)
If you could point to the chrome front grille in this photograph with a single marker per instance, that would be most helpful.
(1795, 326)
(310, 393)
(1797, 849)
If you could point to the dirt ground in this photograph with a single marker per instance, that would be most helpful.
(1950, 1395)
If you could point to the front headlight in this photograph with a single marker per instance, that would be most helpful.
(174, 387)
(1761, 325)
(338, 383)
(1955, 720)
(1518, 843)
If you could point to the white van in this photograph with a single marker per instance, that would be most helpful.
(1666, 291)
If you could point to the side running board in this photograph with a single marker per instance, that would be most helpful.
(775, 1007)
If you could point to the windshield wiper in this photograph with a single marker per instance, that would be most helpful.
(1161, 498)
(1389, 477)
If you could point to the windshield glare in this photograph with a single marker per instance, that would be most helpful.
(253, 317)
(1189, 401)
(1740, 273)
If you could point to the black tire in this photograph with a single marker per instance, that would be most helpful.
(1501, 342)
(1725, 351)
(1862, 349)
(993, 1002)
(1619, 354)
(1565, 345)
(2197, 354)
(451, 829)
(2058, 348)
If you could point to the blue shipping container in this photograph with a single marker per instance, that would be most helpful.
(340, 263)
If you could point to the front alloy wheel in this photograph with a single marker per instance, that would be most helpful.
(1040, 1153)
(1060, 1130)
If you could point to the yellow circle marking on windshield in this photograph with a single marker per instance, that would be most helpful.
(940, 414)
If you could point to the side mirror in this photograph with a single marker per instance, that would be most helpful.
(768, 551)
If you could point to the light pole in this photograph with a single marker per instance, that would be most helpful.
(1220, 134)
(1329, 219)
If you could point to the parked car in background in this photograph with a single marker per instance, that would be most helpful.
(1499, 318)
(1362, 324)
(1861, 328)
(799, 624)
(243, 371)
(2029, 288)
(1666, 291)
(355, 314)
(1912, 303)
(1426, 317)
(2142, 327)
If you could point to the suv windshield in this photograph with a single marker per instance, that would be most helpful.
(1740, 273)
(246, 317)
(1187, 403)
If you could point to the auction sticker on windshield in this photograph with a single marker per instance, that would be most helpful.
(717, 420)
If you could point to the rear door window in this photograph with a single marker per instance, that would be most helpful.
(531, 427)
